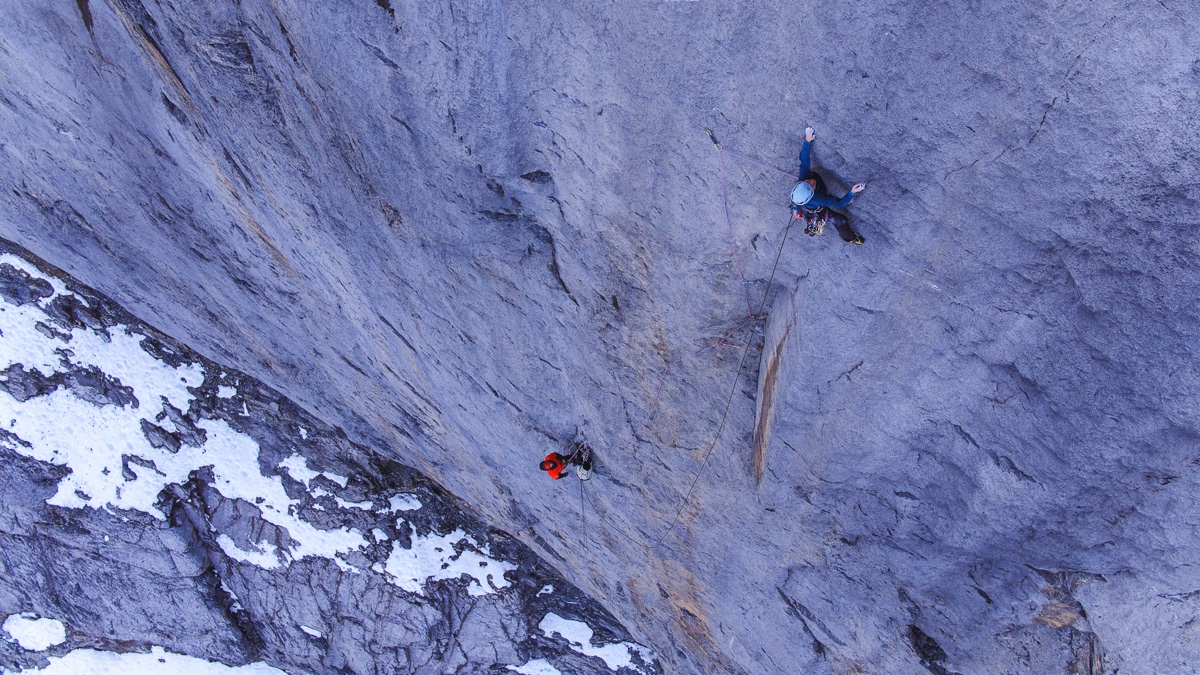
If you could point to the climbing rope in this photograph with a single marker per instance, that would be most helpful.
(737, 256)
(582, 515)
(789, 174)
(737, 375)
(720, 342)
(751, 317)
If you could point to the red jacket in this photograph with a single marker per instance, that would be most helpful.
(554, 465)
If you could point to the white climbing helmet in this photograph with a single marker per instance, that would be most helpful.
(802, 193)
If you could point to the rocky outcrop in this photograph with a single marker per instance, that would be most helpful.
(462, 231)
(219, 520)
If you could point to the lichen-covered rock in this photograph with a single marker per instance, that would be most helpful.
(465, 233)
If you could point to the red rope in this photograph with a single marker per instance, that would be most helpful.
(789, 174)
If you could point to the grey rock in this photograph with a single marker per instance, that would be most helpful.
(125, 581)
(19, 288)
(343, 201)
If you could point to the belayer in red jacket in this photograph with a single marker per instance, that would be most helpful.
(578, 455)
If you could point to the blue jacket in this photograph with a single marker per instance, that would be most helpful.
(821, 196)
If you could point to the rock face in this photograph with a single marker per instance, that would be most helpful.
(219, 520)
(248, 553)
(464, 233)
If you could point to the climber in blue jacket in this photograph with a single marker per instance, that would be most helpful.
(812, 202)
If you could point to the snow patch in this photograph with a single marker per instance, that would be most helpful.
(157, 662)
(434, 557)
(63, 429)
(536, 667)
(403, 502)
(340, 480)
(226, 392)
(364, 506)
(579, 635)
(35, 634)
(235, 603)
(266, 555)
(379, 534)
(312, 632)
(297, 467)
(236, 476)
(546, 590)
(112, 463)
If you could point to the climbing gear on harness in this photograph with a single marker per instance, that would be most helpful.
(816, 224)
(814, 219)
(580, 456)
(802, 192)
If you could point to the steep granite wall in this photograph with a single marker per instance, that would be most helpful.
(461, 231)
